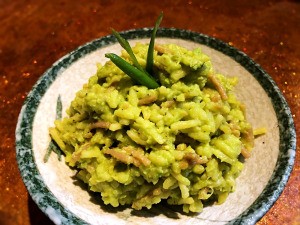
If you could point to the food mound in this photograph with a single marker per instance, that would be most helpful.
(182, 142)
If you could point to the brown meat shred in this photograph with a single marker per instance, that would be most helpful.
(119, 155)
(193, 159)
(219, 87)
(100, 124)
(246, 153)
(147, 100)
(129, 155)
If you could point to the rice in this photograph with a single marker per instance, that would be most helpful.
(137, 146)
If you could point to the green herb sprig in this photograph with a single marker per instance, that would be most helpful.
(150, 60)
(53, 147)
(140, 76)
(125, 44)
(135, 71)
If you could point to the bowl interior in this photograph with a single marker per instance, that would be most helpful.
(65, 199)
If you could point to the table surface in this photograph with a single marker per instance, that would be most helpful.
(34, 34)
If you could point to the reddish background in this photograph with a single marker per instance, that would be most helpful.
(34, 34)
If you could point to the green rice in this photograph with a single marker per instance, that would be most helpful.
(182, 141)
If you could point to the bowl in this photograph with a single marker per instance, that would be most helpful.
(65, 200)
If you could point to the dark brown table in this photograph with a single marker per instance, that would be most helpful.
(34, 34)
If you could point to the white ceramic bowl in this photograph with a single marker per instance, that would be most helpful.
(66, 201)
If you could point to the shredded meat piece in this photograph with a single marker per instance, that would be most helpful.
(215, 81)
(100, 124)
(138, 154)
(77, 155)
(147, 100)
(129, 155)
(162, 49)
(246, 153)
(183, 164)
(121, 156)
(168, 104)
(193, 159)
(248, 136)
(216, 98)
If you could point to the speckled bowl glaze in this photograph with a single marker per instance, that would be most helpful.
(66, 201)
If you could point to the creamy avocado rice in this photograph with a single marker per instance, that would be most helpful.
(184, 141)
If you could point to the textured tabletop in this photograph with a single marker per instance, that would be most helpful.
(34, 34)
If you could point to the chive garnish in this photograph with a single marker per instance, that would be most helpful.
(137, 75)
(136, 71)
(149, 65)
(125, 44)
